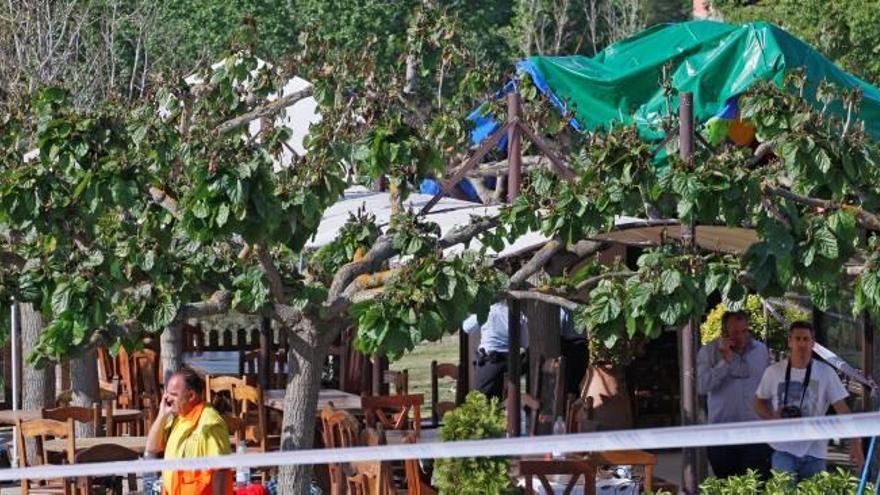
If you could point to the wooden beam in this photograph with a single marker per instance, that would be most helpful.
(465, 167)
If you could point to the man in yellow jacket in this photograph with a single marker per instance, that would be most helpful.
(187, 427)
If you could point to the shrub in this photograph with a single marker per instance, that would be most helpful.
(839, 482)
(476, 419)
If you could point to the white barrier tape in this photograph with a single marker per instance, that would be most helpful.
(813, 428)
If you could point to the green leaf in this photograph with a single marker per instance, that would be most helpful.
(61, 298)
(670, 280)
(164, 314)
(826, 243)
(222, 215)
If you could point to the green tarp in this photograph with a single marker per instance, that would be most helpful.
(715, 61)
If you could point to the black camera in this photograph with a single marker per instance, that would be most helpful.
(790, 412)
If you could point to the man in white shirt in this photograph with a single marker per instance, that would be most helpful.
(802, 386)
(492, 354)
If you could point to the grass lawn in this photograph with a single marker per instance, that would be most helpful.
(418, 362)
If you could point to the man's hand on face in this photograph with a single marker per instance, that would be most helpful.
(165, 406)
(725, 347)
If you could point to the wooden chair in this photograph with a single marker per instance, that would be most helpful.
(249, 406)
(579, 415)
(218, 392)
(438, 407)
(399, 379)
(235, 426)
(549, 389)
(125, 397)
(340, 429)
(145, 383)
(248, 403)
(392, 412)
(88, 485)
(38, 431)
(416, 482)
(106, 371)
(533, 414)
(370, 478)
(86, 415)
(576, 469)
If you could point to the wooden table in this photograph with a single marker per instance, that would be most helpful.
(137, 444)
(274, 398)
(9, 417)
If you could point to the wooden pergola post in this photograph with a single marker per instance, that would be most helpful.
(514, 174)
(462, 386)
(688, 333)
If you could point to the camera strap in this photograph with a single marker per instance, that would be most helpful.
(806, 383)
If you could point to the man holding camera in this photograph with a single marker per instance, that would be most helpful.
(728, 372)
(797, 387)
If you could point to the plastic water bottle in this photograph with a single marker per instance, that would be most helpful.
(242, 473)
(558, 429)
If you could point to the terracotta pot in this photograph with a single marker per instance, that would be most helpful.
(612, 406)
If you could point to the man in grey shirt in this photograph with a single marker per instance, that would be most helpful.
(729, 370)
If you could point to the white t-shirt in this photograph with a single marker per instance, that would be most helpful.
(824, 389)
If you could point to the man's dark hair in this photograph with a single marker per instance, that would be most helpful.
(732, 315)
(801, 324)
(192, 380)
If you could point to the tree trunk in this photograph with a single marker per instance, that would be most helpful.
(171, 348)
(84, 386)
(612, 405)
(305, 359)
(37, 385)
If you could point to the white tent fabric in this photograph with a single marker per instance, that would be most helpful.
(297, 117)
(448, 213)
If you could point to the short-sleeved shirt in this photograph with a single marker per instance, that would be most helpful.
(200, 433)
(493, 333)
(824, 389)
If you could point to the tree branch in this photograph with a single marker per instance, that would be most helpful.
(499, 167)
(538, 260)
(263, 111)
(865, 218)
(586, 248)
(467, 232)
(276, 286)
(219, 303)
(367, 281)
(542, 297)
(372, 261)
(763, 150)
(162, 199)
(775, 212)
(590, 282)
